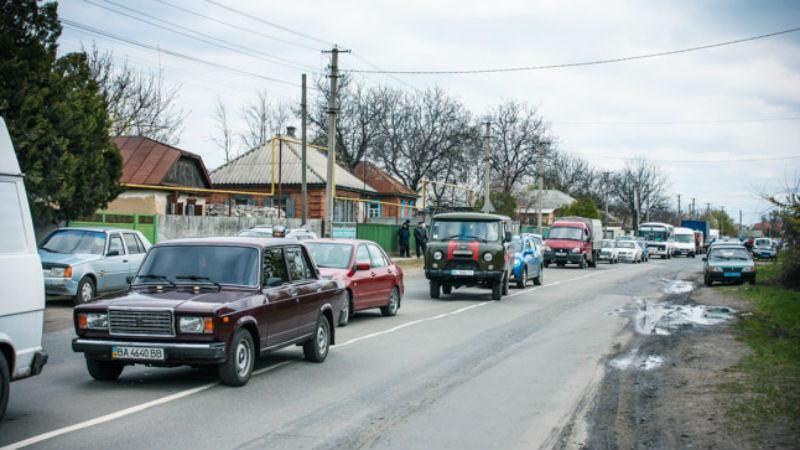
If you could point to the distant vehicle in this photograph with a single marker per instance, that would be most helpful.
(684, 242)
(22, 296)
(728, 262)
(713, 233)
(370, 277)
(612, 232)
(84, 262)
(701, 230)
(537, 239)
(528, 262)
(301, 234)
(629, 251)
(609, 251)
(218, 302)
(256, 232)
(645, 251)
(469, 249)
(574, 240)
(658, 236)
(764, 248)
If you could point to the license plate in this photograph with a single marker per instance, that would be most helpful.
(561, 254)
(467, 273)
(142, 353)
(732, 274)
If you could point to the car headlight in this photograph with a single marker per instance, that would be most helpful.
(58, 272)
(93, 321)
(715, 269)
(547, 248)
(437, 255)
(196, 325)
(749, 269)
(488, 256)
(576, 250)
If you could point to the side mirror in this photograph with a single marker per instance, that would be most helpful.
(507, 237)
(363, 265)
(129, 279)
(113, 253)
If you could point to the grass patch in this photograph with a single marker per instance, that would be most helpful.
(767, 395)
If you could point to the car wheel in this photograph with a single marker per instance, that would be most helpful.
(497, 290)
(583, 263)
(447, 288)
(434, 289)
(506, 283)
(86, 291)
(316, 348)
(5, 384)
(539, 279)
(547, 263)
(104, 370)
(753, 281)
(347, 311)
(560, 264)
(393, 304)
(236, 370)
(523, 280)
(708, 281)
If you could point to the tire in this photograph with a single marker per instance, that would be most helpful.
(434, 289)
(86, 291)
(5, 385)
(583, 263)
(238, 368)
(393, 304)
(692, 255)
(505, 284)
(497, 290)
(348, 311)
(538, 280)
(316, 348)
(447, 289)
(708, 281)
(753, 281)
(523, 280)
(104, 370)
(561, 264)
(547, 264)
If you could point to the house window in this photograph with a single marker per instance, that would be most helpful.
(374, 210)
(344, 211)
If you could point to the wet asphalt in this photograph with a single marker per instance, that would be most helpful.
(458, 372)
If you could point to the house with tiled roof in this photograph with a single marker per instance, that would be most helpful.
(551, 200)
(160, 179)
(276, 168)
(392, 197)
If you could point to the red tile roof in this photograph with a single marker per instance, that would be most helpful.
(147, 161)
(380, 180)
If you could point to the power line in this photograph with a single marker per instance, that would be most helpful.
(237, 27)
(685, 122)
(225, 44)
(399, 80)
(271, 24)
(577, 64)
(96, 31)
(692, 161)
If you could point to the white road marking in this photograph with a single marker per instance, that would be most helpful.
(178, 395)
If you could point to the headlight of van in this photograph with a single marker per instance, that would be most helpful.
(547, 248)
(749, 269)
(576, 250)
(488, 256)
(715, 268)
(437, 255)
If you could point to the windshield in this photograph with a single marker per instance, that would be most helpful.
(254, 233)
(724, 254)
(465, 230)
(763, 243)
(652, 234)
(575, 234)
(626, 244)
(608, 244)
(685, 238)
(75, 241)
(191, 263)
(330, 255)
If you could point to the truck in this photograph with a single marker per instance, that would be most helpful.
(574, 240)
(701, 231)
(22, 296)
(685, 242)
(658, 237)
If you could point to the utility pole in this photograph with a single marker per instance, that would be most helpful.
(303, 185)
(539, 195)
(740, 223)
(330, 186)
(693, 210)
(487, 202)
(679, 209)
(722, 222)
(708, 208)
(635, 209)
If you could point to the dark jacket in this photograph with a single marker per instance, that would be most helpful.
(421, 235)
(404, 235)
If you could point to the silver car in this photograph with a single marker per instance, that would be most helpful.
(83, 262)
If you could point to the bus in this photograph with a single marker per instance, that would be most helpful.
(659, 238)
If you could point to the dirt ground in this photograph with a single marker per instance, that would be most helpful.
(678, 404)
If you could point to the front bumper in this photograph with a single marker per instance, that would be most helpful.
(446, 276)
(725, 276)
(684, 251)
(653, 251)
(605, 257)
(765, 254)
(174, 352)
(627, 257)
(563, 257)
(60, 286)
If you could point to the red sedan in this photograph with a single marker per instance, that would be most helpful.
(371, 278)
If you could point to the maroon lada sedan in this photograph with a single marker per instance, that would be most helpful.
(370, 277)
(212, 301)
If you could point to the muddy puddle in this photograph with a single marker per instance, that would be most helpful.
(664, 319)
(633, 360)
(672, 287)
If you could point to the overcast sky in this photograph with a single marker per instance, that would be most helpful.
(605, 113)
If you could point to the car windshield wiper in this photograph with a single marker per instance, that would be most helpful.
(49, 250)
(458, 236)
(198, 278)
(152, 276)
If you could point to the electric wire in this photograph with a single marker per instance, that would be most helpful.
(578, 64)
(686, 122)
(691, 161)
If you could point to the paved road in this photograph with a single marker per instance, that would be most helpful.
(459, 372)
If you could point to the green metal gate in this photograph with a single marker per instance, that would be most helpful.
(147, 224)
(385, 236)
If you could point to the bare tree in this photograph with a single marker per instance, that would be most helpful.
(224, 135)
(642, 187)
(264, 119)
(139, 103)
(570, 174)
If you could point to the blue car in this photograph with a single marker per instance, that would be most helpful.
(83, 262)
(527, 261)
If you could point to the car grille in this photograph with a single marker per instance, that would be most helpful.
(141, 322)
(732, 269)
(460, 264)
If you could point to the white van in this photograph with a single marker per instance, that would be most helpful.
(22, 283)
(684, 242)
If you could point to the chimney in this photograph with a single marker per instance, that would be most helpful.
(290, 131)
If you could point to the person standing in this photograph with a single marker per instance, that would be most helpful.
(404, 235)
(421, 237)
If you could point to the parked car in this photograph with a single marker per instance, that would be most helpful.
(256, 233)
(764, 248)
(370, 277)
(469, 249)
(301, 234)
(629, 251)
(609, 251)
(22, 295)
(726, 262)
(528, 263)
(212, 301)
(84, 262)
(645, 250)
